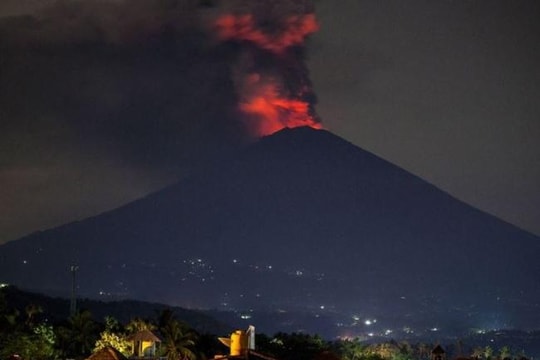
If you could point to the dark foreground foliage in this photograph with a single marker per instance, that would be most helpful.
(31, 327)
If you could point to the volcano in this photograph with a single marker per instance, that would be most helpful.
(301, 220)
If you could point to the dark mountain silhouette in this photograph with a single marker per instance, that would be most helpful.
(301, 220)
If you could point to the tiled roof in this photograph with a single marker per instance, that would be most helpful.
(107, 353)
(144, 335)
(438, 350)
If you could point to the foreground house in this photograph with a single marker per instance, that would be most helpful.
(143, 344)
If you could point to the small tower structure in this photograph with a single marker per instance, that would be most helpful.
(73, 300)
(240, 343)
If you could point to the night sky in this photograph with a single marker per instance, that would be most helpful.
(101, 103)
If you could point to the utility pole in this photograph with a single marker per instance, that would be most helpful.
(73, 303)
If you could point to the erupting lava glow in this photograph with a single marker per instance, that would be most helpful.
(271, 111)
(268, 104)
(243, 27)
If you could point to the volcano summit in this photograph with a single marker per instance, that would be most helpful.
(299, 221)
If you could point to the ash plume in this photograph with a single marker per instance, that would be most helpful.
(272, 79)
(147, 76)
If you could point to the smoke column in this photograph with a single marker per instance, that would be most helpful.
(271, 78)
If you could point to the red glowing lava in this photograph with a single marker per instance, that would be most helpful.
(267, 104)
(244, 28)
(271, 112)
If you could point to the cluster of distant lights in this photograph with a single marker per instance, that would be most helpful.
(203, 271)
(255, 267)
(356, 319)
(199, 269)
(368, 323)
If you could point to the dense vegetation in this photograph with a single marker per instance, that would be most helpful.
(31, 329)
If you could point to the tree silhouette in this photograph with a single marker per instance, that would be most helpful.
(31, 311)
(349, 349)
(137, 324)
(79, 336)
(178, 339)
(296, 346)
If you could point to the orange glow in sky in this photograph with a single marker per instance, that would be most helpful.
(243, 27)
(271, 112)
(268, 106)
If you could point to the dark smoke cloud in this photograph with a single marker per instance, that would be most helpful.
(95, 92)
(271, 75)
(145, 85)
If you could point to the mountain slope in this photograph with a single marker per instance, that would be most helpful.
(299, 220)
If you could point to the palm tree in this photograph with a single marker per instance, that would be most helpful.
(488, 353)
(505, 353)
(178, 338)
(405, 349)
(424, 351)
(351, 349)
(31, 311)
(137, 324)
(82, 332)
(478, 353)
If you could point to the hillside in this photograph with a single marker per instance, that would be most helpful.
(56, 310)
(300, 221)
